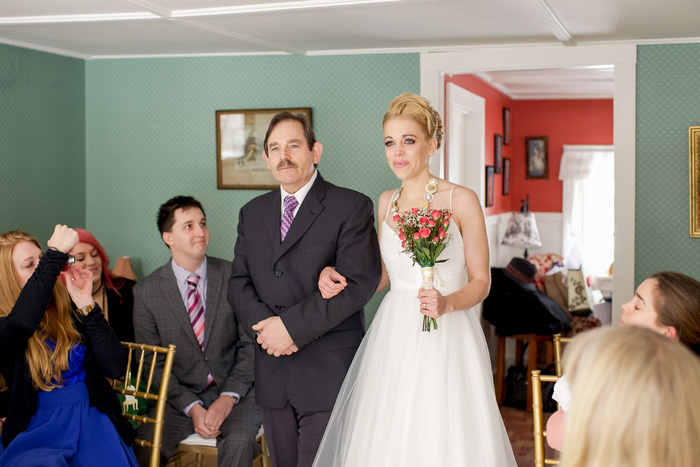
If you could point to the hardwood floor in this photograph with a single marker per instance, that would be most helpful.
(519, 427)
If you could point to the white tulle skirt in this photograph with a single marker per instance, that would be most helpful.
(417, 399)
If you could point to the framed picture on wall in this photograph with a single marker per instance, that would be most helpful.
(536, 157)
(489, 186)
(506, 126)
(239, 147)
(498, 153)
(694, 168)
(506, 177)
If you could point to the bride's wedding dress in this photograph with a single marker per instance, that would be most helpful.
(414, 398)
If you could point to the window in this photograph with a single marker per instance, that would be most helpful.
(588, 205)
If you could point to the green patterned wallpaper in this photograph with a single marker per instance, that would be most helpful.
(151, 135)
(668, 102)
(42, 141)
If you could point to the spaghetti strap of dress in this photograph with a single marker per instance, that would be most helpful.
(453, 189)
(394, 197)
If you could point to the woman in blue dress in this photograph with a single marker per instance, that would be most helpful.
(55, 357)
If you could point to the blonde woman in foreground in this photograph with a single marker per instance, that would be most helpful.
(634, 400)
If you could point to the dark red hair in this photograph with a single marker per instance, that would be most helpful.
(108, 278)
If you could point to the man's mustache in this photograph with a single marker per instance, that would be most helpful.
(286, 164)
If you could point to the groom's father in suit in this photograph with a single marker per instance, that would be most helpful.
(184, 303)
(285, 238)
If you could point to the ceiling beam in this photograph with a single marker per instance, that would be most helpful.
(242, 37)
(550, 19)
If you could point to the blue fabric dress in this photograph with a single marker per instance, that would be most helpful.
(66, 431)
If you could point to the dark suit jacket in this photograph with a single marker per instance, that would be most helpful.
(333, 227)
(516, 308)
(160, 318)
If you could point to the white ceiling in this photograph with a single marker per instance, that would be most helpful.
(128, 28)
(92, 29)
(561, 83)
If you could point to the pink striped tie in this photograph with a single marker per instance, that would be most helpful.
(290, 203)
(195, 307)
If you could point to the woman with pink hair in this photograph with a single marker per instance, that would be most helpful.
(114, 294)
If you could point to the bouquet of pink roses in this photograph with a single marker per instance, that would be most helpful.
(423, 234)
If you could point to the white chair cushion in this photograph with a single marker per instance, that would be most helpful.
(195, 439)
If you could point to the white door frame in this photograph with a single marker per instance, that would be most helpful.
(434, 66)
(466, 121)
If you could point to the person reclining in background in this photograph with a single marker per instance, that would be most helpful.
(515, 306)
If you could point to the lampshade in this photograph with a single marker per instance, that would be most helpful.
(123, 268)
(522, 231)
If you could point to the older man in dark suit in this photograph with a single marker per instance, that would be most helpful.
(184, 303)
(285, 238)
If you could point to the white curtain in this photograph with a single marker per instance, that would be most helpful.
(588, 176)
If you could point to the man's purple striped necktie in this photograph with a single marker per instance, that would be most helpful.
(290, 203)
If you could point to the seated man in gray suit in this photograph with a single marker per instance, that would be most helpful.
(184, 303)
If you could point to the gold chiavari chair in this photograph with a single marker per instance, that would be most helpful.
(538, 417)
(536, 380)
(558, 341)
(131, 386)
(204, 447)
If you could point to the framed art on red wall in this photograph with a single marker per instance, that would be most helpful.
(489, 186)
(506, 177)
(498, 153)
(506, 126)
(536, 162)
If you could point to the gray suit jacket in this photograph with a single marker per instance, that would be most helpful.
(160, 318)
(333, 227)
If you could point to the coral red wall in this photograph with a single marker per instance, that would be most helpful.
(561, 121)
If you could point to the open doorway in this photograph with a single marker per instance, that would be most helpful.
(434, 67)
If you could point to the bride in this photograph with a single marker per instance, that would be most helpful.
(416, 398)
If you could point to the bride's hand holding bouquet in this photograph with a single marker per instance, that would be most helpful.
(423, 235)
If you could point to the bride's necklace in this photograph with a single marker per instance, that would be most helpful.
(428, 197)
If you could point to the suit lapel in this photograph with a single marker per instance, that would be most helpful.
(273, 218)
(175, 306)
(309, 210)
(215, 284)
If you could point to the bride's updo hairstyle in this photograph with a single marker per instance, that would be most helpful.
(419, 110)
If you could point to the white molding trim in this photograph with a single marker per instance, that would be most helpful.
(467, 114)
(41, 48)
(623, 56)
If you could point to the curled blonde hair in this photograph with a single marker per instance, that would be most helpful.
(45, 365)
(419, 110)
(634, 400)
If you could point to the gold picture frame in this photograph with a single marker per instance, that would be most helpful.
(239, 146)
(694, 172)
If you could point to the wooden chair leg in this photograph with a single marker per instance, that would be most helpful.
(518, 352)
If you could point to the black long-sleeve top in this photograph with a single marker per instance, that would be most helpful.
(105, 357)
